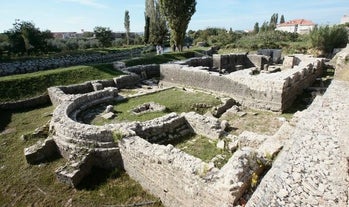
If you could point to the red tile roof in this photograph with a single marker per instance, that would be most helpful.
(296, 22)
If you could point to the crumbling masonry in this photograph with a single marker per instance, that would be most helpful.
(177, 178)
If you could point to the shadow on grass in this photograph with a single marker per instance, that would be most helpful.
(5, 119)
(97, 177)
(107, 68)
(6, 115)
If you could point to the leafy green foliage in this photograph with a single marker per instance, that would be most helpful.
(156, 31)
(178, 14)
(203, 148)
(25, 38)
(215, 36)
(270, 39)
(326, 38)
(18, 87)
(159, 59)
(104, 36)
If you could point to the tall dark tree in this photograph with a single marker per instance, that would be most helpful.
(158, 27)
(273, 21)
(282, 19)
(149, 18)
(127, 27)
(178, 14)
(256, 28)
(146, 29)
(264, 27)
(104, 35)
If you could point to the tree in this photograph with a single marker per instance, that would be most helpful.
(24, 37)
(127, 27)
(146, 29)
(273, 21)
(326, 38)
(149, 16)
(158, 27)
(104, 35)
(178, 14)
(282, 19)
(256, 28)
(264, 27)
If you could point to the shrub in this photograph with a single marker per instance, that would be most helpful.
(326, 38)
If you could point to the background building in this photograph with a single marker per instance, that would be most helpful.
(301, 26)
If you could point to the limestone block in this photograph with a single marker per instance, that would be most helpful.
(109, 115)
(41, 151)
(251, 139)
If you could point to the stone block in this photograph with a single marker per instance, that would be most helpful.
(41, 152)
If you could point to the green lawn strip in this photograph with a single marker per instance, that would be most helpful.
(175, 100)
(17, 87)
(36, 185)
(204, 148)
(159, 59)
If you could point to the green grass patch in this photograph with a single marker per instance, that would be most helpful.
(36, 185)
(17, 87)
(175, 100)
(8, 58)
(205, 149)
(159, 59)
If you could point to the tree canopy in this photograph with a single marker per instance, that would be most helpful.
(24, 37)
(104, 35)
(178, 14)
(156, 29)
(127, 26)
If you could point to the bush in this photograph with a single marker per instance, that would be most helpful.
(327, 38)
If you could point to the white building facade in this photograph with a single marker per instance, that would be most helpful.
(300, 26)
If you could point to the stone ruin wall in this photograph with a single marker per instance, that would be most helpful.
(274, 91)
(172, 175)
(182, 180)
(85, 146)
(29, 66)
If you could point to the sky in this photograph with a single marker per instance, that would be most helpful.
(77, 15)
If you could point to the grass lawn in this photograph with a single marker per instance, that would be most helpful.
(175, 100)
(36, 185)
(17, 87)
(203, 148)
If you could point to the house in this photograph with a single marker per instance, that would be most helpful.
(345, 19)
(64, 35)
(300, 26)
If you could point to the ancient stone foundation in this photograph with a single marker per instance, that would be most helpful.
(311, 169)
(271, 91)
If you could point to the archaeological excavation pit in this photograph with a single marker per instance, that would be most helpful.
(143, 146)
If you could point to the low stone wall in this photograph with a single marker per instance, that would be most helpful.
(163, 130)
(205, 61)
(28, 66)
(180, 179)
(275, 91)
(144, 71)
(27, 103)
(312, 169)
(60, 94)
(234, 62)
(209, 127)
